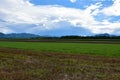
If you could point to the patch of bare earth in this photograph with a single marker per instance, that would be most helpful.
(18, 64)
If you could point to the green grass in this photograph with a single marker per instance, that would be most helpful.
(75, 48)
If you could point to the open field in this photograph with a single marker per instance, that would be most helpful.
(59, 61)
(112, 50)
(18, 64)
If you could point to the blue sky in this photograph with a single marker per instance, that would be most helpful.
(60, 17)
(66, 3)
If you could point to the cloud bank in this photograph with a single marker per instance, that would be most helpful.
(23, 16)
(73, 1)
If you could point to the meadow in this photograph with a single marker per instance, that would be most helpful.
(59, 61)
(112, 50)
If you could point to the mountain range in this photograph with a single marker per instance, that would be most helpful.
(29, 35)
(18, 35)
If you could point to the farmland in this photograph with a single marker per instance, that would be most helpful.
(74, 48)
(59, 61)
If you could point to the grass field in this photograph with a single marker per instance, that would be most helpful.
(74, 48)
(59, 61)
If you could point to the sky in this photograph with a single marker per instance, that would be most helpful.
(60, 17)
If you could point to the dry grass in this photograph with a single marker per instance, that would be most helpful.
(30, 65)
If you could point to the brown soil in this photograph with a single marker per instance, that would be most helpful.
(18, 64)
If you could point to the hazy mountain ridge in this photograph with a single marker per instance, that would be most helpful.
(18, 35)
(29, 35)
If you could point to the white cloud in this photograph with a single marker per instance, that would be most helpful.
(73, 1)
(46, 17)
(113, 10)
(5, 29)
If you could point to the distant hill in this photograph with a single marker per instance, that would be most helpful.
(28, 36)
(18, 35)
(2, 35)
(103, 35)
